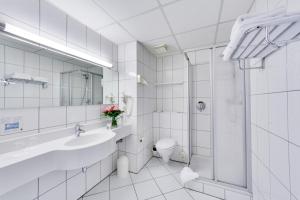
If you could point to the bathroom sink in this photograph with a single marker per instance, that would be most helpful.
(60, 150)
(83, 140)
(65, 153)
(87, 139)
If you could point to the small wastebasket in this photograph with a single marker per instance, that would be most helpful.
(122, 167)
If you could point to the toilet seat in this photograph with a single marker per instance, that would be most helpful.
(166, 143)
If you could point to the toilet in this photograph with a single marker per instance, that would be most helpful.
(165, 148)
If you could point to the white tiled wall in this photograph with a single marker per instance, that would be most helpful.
(173, 97)
(274, 119)
(26, 95)
(41, 17)
(146, 102)
(77, 90)
(201, 91)
(110, 84)
(45, 19)
(59, 184)
(218, 190)
(170, 119)
(172, 103)
(36, 120)
(64, 185)
(135, 60)
(172, 125)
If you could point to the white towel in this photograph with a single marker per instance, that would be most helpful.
(245, 22)
(249, 19)
(187, 175)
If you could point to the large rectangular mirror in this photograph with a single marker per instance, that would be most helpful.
(31, 76)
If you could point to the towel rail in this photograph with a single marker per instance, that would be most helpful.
(263, 40)
(265, 46)
(242, 65)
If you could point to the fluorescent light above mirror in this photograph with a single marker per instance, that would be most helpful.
(46, 43)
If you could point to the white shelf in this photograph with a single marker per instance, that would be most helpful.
(263, 38)
(23, 78)
(254, 43)
(170, 83)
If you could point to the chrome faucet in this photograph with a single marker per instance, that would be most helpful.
(78, 130)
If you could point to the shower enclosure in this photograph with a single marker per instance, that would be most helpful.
(218, 115)
(81, 87)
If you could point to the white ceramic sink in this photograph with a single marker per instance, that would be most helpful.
(65, 153)
(83, 140)
(40, 154)
(89, 139)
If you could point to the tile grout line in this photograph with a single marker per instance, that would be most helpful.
(109, 192)
(115, 20)
(219, 20)
(172, 174)
(271, 173)
(133, 186)
(161, 8)
(156, 183)
(275, 135)
(287, 118)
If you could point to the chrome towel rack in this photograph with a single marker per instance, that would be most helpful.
(263, 40)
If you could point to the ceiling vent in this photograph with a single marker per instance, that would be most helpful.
(160, 49)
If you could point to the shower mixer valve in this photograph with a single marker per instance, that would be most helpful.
(201, 106)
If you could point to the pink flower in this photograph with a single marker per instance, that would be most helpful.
(111, 108)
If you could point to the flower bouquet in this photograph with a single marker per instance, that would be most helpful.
(113, 112)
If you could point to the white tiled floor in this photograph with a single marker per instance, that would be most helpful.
(157, 181)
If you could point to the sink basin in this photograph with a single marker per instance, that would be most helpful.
(84, 140)
(48, 153)
(51, 155)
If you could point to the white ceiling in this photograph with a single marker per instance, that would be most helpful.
(181, 24)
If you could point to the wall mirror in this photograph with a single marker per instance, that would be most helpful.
(32, 76)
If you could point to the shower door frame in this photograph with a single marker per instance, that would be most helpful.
(247, 119)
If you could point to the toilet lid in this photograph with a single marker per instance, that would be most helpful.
(165, 143)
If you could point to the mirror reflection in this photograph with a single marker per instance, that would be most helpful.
(34, 77)
(81, 87)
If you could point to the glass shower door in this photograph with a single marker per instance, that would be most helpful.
(229, 112)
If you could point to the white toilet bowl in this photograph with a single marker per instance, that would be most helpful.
(165, 148)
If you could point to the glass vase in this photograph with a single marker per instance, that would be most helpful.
(114, 122)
